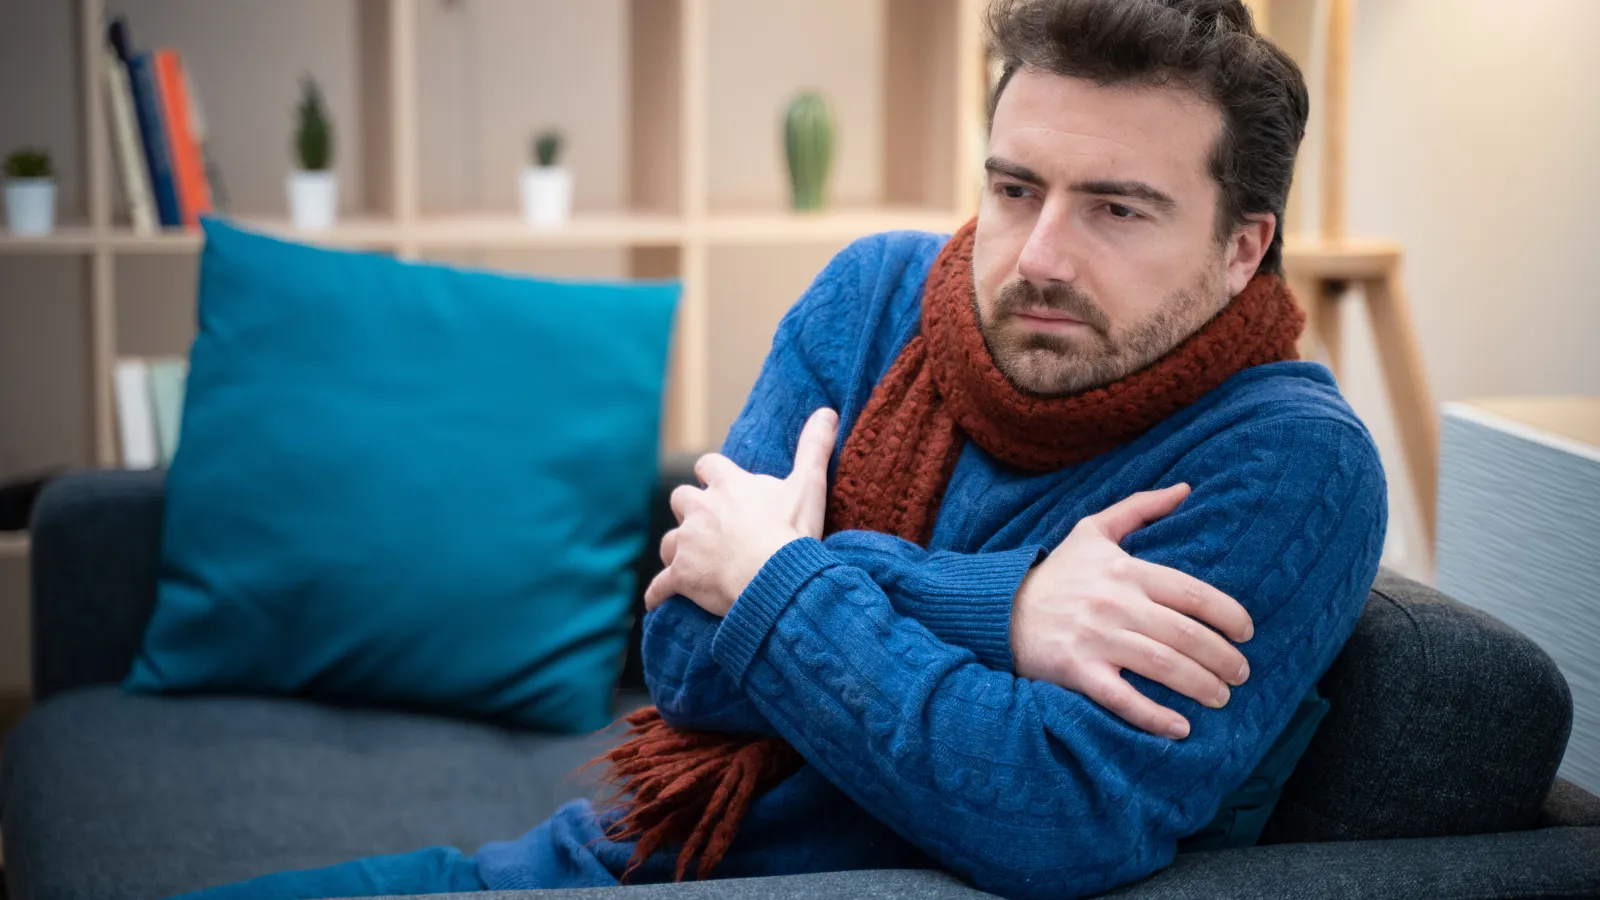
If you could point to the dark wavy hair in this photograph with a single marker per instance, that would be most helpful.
(1208, 46)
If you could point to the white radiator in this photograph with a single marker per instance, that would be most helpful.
(1519, 537)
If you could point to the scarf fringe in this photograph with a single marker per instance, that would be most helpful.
(687, 788)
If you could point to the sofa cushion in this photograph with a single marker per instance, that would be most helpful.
(111, 795)
(408, 483)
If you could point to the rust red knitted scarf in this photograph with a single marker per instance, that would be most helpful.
(691, 789)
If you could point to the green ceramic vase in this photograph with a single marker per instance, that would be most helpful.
(808, 142)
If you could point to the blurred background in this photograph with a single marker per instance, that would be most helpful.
(1468, 146)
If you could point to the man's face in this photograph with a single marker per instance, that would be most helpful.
(1096, 250)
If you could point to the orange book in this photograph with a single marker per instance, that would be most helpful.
(188, 164)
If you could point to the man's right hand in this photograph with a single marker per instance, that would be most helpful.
(1090, 610)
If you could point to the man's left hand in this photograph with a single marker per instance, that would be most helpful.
(730, 528)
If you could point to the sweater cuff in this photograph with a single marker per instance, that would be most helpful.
(966, 600)
(743, 630)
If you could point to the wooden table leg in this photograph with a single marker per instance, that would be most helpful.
(1325, 319)
(1414, 411)
(1321, 302)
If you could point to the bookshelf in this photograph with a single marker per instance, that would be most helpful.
(932, 100)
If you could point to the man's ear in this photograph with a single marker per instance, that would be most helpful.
(1246, 247)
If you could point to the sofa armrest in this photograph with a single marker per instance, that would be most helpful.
(1569, 805)
(96, 547)
(1415, 744)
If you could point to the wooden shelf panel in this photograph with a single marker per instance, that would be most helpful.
(65, 239)
(355, 232)
(829, 226)
(474, 232)
(489, 231)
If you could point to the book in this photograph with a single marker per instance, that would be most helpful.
(153, 130)
(197, 124)
(135, 426)
(188, 165)
(167, 379)
(127, 143)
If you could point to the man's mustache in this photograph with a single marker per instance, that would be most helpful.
(1022, 295)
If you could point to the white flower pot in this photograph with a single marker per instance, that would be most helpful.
(31, 206)
(313, 199)
(546, 195)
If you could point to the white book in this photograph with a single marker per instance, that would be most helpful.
(135, 420)
(128, 144)
(167, 382)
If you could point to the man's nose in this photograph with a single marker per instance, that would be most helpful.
(1048, 255)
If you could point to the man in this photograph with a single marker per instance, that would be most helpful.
(1030, 545)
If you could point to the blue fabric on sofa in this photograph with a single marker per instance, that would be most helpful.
(408, 484)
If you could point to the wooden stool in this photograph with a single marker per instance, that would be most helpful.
(1321, 273)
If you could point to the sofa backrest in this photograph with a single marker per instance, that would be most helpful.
(1443, 720)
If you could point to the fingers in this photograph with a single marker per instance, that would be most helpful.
(816, 445)
(683, 498)
(1108, 688)
(1194, 598)
(1209, 650)
(1124, 517)
(1164, 665)
(669, 547)
(661, 589)
(712, 467)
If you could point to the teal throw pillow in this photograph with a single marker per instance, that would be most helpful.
(408, 485)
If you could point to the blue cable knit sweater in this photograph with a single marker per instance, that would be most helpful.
(888, 666)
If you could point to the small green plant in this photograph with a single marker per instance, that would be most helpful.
(547, 147)
(314, 138)
(28, 163)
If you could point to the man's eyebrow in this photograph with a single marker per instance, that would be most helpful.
(1006, 167)
(1136, 190)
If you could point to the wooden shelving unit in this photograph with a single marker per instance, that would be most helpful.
(933, 97)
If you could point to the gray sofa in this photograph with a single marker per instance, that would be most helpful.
(1433, 776)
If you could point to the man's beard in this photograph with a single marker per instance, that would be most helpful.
(1055, 365)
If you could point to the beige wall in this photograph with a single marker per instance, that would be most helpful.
(1474, 140)
(762, 53)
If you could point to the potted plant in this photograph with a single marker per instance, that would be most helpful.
(547, 185)
(313, 188)
(30, 193)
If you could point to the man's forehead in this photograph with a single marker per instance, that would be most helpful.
(1071, 128)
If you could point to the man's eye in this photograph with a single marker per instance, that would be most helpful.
(1119, 211)
(1013, 191)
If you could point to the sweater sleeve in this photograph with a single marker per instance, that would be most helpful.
(797, 378)
(1030, 790)
(963, 598)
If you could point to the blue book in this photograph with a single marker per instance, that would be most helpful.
(152, 128)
